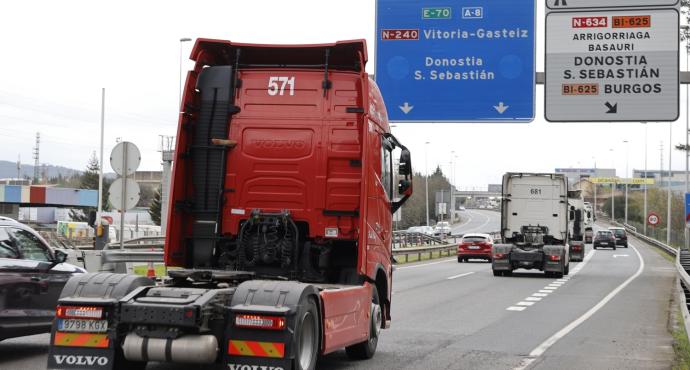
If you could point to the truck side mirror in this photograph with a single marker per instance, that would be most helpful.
(405, 167)
(405, 187)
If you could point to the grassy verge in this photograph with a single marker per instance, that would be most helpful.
(681, 345)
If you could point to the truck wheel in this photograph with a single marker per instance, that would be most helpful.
(508, 273)
(459, 259)
(566, 271)
(307, 337)
(558, 275)
(497, 273)
(614, 247)
(365, 350)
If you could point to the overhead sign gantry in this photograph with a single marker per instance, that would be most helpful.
(612, 64)
(461, 60)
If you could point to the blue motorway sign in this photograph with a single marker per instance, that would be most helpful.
(456, 60)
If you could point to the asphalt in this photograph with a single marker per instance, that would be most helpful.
(449, 315)
(477, 221)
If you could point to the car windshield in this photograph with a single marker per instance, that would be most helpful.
(618, 232)
(604, 234)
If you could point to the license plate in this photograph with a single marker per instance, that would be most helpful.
(474, 247)
(80, 325)
(604, 243)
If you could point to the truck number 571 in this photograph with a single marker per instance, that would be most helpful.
(276, 85)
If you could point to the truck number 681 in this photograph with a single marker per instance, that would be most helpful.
(535, 191)
(275, 89)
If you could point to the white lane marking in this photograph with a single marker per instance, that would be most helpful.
(570, 327)
(534, 299)
(523, 303)
(515, 308)
(547, 291)
(539, 295)
(557, 285)
(620, 255)
(426, 264)
(459, 276)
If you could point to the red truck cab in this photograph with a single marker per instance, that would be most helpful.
(280, 218)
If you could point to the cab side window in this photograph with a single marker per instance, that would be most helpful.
(7, 246)
(387, 167)
(29, 246)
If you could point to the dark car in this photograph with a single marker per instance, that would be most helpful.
(621, 236)
(604, 239)
(32, 276)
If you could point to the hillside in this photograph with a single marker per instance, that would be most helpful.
(9, 170)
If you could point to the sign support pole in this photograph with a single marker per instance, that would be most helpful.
(124, 197)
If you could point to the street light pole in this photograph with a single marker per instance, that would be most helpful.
(627, 159)
(613, 189)
(670, 176)
(426, 180)
(179, 85)
(594, 210)
(644, 216)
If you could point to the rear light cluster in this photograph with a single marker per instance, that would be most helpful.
(554, 258)
(499, 256)
(577, 248)
(79, 312)
(260, 322)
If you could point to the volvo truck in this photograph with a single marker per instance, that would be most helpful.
(534, 225)
(279, 225)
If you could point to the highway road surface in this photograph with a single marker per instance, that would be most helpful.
(611, 312)
(477, 221)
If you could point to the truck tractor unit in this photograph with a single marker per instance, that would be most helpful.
(589, 223)
(279, 225)
(534, 225)
(576, 225)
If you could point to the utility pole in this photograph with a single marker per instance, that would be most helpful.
(36, 153)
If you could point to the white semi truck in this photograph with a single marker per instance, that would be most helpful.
(534, 225)
(589, 223)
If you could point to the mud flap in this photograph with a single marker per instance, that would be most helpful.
(74, 350)
(257, 349)
(79, 357)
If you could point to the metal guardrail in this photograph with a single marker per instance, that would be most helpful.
(447, 248)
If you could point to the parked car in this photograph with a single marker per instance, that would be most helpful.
(442, 228)
(32, 276)
(475, 246)
(604, 239)
(621, 236)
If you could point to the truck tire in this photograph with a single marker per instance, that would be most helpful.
(460, 260)
(307, 336)
(497, 273)
(365, 350)
(566, 271)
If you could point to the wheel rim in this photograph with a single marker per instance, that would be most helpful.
(376, 320)
(306, 341)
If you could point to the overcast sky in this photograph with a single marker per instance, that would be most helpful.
(57, 55)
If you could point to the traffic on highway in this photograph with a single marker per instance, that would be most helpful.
(287, 219)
